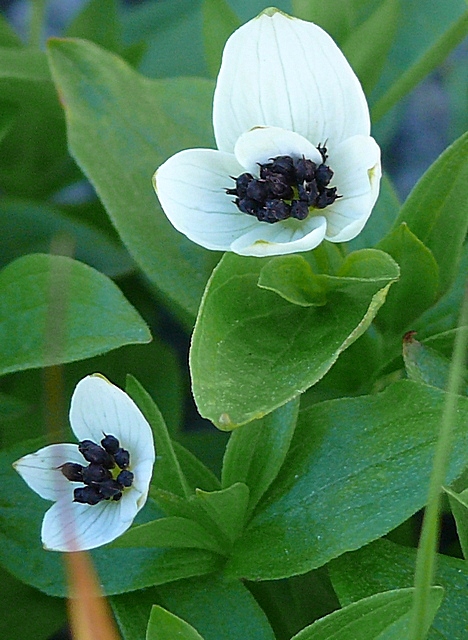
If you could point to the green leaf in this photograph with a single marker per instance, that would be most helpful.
(155, 363)
(226, 509)
(357, 468)
(198, 476)
(435, 210)
(8, 113)
(163, 26)
(255, 452)
(367, 45)
(46, 222)
(11, 408)
(167, 473)
(164, 625)
(25, 65)
(338, 23)
(383, 616)
(218, 609)
(293, 279)
(383, 216)
(219, 21)
(27, 613)
(54, 310)
(253, 351)
(171, 532)
(8, 37)
(444, 316)
(418, 285)
(120, 570)
(459, 506)
(37, 161)
(428, 57)
(384, 565)
(426, 365)
(98, 22)
(137, 123)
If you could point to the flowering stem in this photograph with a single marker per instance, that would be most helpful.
(426, 556)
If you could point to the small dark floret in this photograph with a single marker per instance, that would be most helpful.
(95, 473)
(308, 192)
(279, 187)
(122, 458)
(242, 182)
(87, 495)
(109, 488)
(248, 205)
(283, 165)
(72, 471)
(258, 190)
(305, 170)
(299, 210)
(92, 452)
(125, 478)
(110, 444)
(328, 196)
(275, 210)
(323, 175)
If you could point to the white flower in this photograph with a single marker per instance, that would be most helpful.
(284, 89)
(98, 409)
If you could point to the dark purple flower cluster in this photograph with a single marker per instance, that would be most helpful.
(286, 188)
(100, 483)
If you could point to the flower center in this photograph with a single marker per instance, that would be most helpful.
(286, 188)
(106, 476)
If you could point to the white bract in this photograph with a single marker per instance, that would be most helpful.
(283, 89)
(98, 408)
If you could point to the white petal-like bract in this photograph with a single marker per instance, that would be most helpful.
(284, 72)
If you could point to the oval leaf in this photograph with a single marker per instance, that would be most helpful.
(384, 565)
(436, 211)
(218, 609)
(164, 625)
(357, 468)
(418, 285)
(55, 310)
(137, 123)
(255, 453)
(252, 351)
(383, 616)
(46, 222)
(171, 532)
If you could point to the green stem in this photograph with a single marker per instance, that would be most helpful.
(427, 551)
(36, 25)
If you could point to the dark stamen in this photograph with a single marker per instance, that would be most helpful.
(92, 452)
(95, 473)
(122, 458)
(72, 471)
(110, 444)
(109, 488)
(286, 188)
(100, 483)
(87, 495)
(125, 478)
